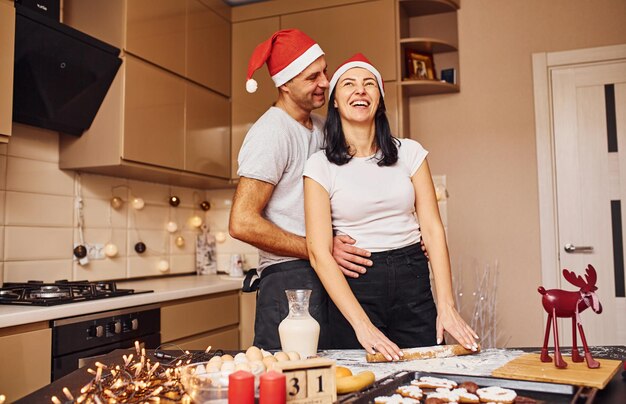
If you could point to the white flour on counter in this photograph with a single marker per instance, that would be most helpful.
(480, 364)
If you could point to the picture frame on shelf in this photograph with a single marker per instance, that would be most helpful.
(420, 66)
(448, 75)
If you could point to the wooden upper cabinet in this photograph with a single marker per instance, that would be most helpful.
(208, 47)
(7, 41)
(207, 132)
(246, 107)
(342, 31)
(154, 111)
(155, 31)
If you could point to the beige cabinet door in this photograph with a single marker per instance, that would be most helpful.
(208, 47)
(247, 108)
(154, 111)
(367, 27)
(155, 31)
(7, 39)
(27, 361)
(207, 134)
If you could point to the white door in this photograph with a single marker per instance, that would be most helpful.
(589, 118)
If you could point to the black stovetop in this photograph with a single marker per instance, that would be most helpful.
(38, 293)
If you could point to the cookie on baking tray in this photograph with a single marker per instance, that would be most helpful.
(395, 399)
(410, 392)
(495, 394)
(429, 382)
(445, 395)
(465, 396)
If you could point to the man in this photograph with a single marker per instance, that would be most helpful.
(268, 207)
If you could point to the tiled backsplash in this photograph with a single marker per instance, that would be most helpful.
(38, 218)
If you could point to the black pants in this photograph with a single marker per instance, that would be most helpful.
(396, 295)
(272, 306)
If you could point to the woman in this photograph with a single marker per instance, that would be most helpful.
(369, 185)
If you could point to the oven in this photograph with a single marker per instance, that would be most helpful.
(96, 334)
(92, 334)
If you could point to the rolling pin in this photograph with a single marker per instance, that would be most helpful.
(427, 352)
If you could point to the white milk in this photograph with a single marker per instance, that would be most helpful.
(300, 335)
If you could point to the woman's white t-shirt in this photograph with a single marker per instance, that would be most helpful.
(372, 204)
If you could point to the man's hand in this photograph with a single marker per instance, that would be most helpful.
(424, 248)
(352, 260)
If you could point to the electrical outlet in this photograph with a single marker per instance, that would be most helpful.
(95, 251)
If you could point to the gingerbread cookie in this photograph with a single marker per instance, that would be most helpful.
(395, 399)
(495, 394)
(471, 387)
(410, 392)
(429, 382)
(465, 396)
(444, 394)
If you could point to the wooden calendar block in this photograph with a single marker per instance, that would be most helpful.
(296, 384)
(320, 381)
(310, 381)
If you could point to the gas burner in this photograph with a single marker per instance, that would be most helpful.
(60, 292)
(7, 294)
(49, 292)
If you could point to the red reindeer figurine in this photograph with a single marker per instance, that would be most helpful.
(563, 303)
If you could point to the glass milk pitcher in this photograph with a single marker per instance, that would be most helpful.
(299, 332)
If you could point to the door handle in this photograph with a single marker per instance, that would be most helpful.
(571, 248)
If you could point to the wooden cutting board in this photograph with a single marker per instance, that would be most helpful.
(530, 367)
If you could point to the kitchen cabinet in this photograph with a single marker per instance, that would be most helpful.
(247, 313)
(191, 38)
(7, 41)
(166, 117)
(25, 352)
(196, 323)
(155, 126)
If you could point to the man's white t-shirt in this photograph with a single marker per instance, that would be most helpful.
(372, 204)
(275, 150)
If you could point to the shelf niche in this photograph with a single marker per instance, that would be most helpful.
(429, 27)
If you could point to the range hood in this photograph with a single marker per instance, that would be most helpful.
(61, 75)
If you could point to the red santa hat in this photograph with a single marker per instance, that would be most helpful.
(287, 53)
(357, 60)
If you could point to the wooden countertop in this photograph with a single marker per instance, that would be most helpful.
(165, 289)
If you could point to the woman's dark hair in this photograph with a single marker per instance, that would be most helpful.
(335, 141)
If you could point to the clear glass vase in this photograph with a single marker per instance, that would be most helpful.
(299, 332)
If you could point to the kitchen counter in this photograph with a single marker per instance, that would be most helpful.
(613, 393)
(165, 289)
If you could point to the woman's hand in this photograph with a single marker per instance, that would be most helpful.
(373, 340)
(448, 319)
(350, 259)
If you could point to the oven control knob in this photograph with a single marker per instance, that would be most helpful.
(134, 324)
(99, 331)
(116, 327)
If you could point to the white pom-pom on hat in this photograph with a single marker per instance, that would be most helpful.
(287, 53)
(251, 85)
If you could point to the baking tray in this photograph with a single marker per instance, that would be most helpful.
(539, 391)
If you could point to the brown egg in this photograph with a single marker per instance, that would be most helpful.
(254, 354)
(269, 362)
(281, 356)
(227, 358)
(293, 356)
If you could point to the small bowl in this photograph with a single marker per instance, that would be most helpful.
(204, 387)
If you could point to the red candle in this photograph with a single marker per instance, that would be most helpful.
(241, 387)
(273, 388)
